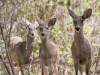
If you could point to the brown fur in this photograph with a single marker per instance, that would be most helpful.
(14, 40)
(81, 47)
(49, 52)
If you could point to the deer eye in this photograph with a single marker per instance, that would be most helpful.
(36, 28)
(82, 21)
(75, 22)
(46, 27)
(40, 28)
(29, 28)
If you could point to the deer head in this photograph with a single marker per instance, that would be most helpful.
(32, 28)
(44, 27)
(78, 20)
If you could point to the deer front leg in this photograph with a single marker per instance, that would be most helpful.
(80, 69)
(21, 69)
(44, 70)
(76, 68)
(87, 69)
(55, 69)
(87, 66)
(50, 68)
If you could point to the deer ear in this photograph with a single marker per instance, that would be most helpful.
(26, 21)
(87, 14)
(36, 24)
(38, 20)
(52, 22)
(71, 13)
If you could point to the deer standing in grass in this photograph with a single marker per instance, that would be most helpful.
(81, 47)
(49, 52)
(21, 50)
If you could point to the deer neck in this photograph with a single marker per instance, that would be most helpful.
(45, 40)
(30, 41)
(79, 37)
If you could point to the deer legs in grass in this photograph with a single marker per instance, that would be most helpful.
(44, 70)
(78, 67)
(52, 69)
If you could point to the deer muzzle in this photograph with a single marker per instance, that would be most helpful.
(43, 34)
(77, 28)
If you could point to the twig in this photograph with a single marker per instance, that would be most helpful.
(4, 43)
(5, 65)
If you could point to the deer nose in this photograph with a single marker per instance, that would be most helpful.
(77, 28)
(32, 34)
(43, 34)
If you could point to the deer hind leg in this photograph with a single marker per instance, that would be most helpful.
(76, 68)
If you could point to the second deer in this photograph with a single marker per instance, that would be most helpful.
(49, 52)
(81, 47)
(20, 51)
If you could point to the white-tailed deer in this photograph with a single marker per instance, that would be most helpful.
(21, 50)
(49, 52)
(81, 47)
